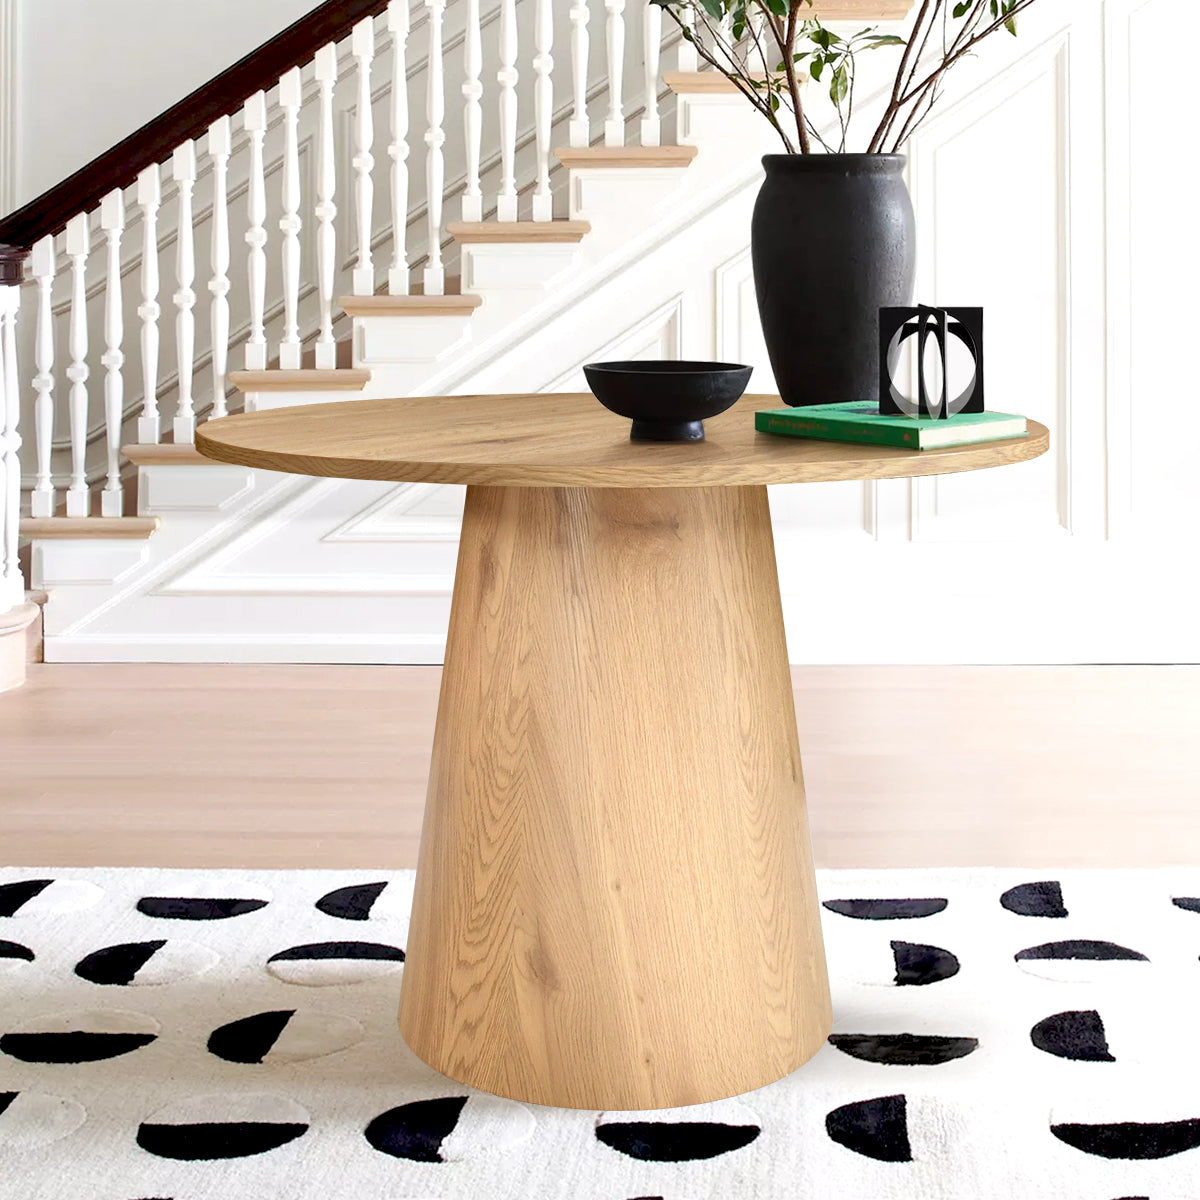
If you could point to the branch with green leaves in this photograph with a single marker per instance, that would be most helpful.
(766, 47)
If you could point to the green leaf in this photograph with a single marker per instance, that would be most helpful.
(777, 8)
(818, 65)
(962, 9)
(883, 39)
(839, 84)
(713, 8)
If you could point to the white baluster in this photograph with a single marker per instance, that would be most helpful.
(362, 46)
(290, 98)
(42, 264)
(326, 70)
(472, 90)
(686, 58)
(149, 196)
(220, 146)
(12, 584)
(580, 127)
(255, 121)
(652, 41)
(435, 139)
(397, 23)
(614, 124)
(543, 105)
(112, 221)
(79, 243)
(184, 171)
(506, 201)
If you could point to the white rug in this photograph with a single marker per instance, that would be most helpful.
(1006, 1035)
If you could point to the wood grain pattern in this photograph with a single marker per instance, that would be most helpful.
(159, 454)
(626, 156)
(89, 527)
(340, 379)
(468, 233)
(417, 305)
(615, 904)
(561, 440)
(215, 765)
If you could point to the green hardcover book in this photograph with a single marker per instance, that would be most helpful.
(861, 421)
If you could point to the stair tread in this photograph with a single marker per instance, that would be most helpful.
(89, 527)
(418, 305)
(306, 379)
(626, 156)
(518, 231)
(164, 454)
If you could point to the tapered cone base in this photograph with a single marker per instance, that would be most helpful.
(615, 905)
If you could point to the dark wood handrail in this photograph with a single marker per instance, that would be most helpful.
(190, 118)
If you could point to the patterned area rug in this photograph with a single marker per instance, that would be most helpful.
(232, 1036)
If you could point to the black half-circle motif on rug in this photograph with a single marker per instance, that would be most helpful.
(904, 1049)
(416, 1131)
(1043, 899)
(324, 951)
(212, 1128)
(72, 1047)
(1078, 1036)
(250, 1039)
(81, 1037)
(887, 910)
(1131, 1139)
(15, 951)
(197, 908)
(46, 897)
(6, 1098)
(875, 1128)
(14, 896)
(1187, 903)
(351, 903)
(116, 966)
(1080, 948)
(685, 1141)
(918, 965)
(284, 1036)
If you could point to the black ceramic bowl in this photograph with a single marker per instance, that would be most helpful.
(667, 401)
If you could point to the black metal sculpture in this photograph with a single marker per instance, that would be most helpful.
(896, 326)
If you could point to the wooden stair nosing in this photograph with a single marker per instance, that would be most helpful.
(458, 305)
(89, 527)
(707, 83)
(608, 157)
(481, 232)
(164, 454)
(305, 380)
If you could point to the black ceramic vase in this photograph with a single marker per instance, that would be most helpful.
(833, 241)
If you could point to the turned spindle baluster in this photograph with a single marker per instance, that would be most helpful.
(42, 265)
(580, 132)
(255, 122)
(112, 221)
(651, 127)
(506, 76)
(543, 105)
(290, 98)
(184, 170)
(435, 164)
(362, 47)
(220, 146)
(472, 90)
(614, 124)
(79, 244)
(398, 24)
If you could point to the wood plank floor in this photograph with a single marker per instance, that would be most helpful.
(305, 766)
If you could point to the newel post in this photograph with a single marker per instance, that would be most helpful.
(15, 614)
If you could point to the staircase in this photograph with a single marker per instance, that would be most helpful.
(481, 196)
(570, 244)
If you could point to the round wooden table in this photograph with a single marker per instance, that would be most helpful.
(615, 904)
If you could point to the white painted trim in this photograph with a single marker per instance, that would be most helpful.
(8, 105)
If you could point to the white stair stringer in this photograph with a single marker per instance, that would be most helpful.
(253, 566)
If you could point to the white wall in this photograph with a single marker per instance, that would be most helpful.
(89, 72)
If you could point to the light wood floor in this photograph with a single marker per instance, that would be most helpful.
(326, 766)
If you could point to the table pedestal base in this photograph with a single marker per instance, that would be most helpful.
(615, 905)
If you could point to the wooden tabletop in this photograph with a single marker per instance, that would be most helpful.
(561, 440)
